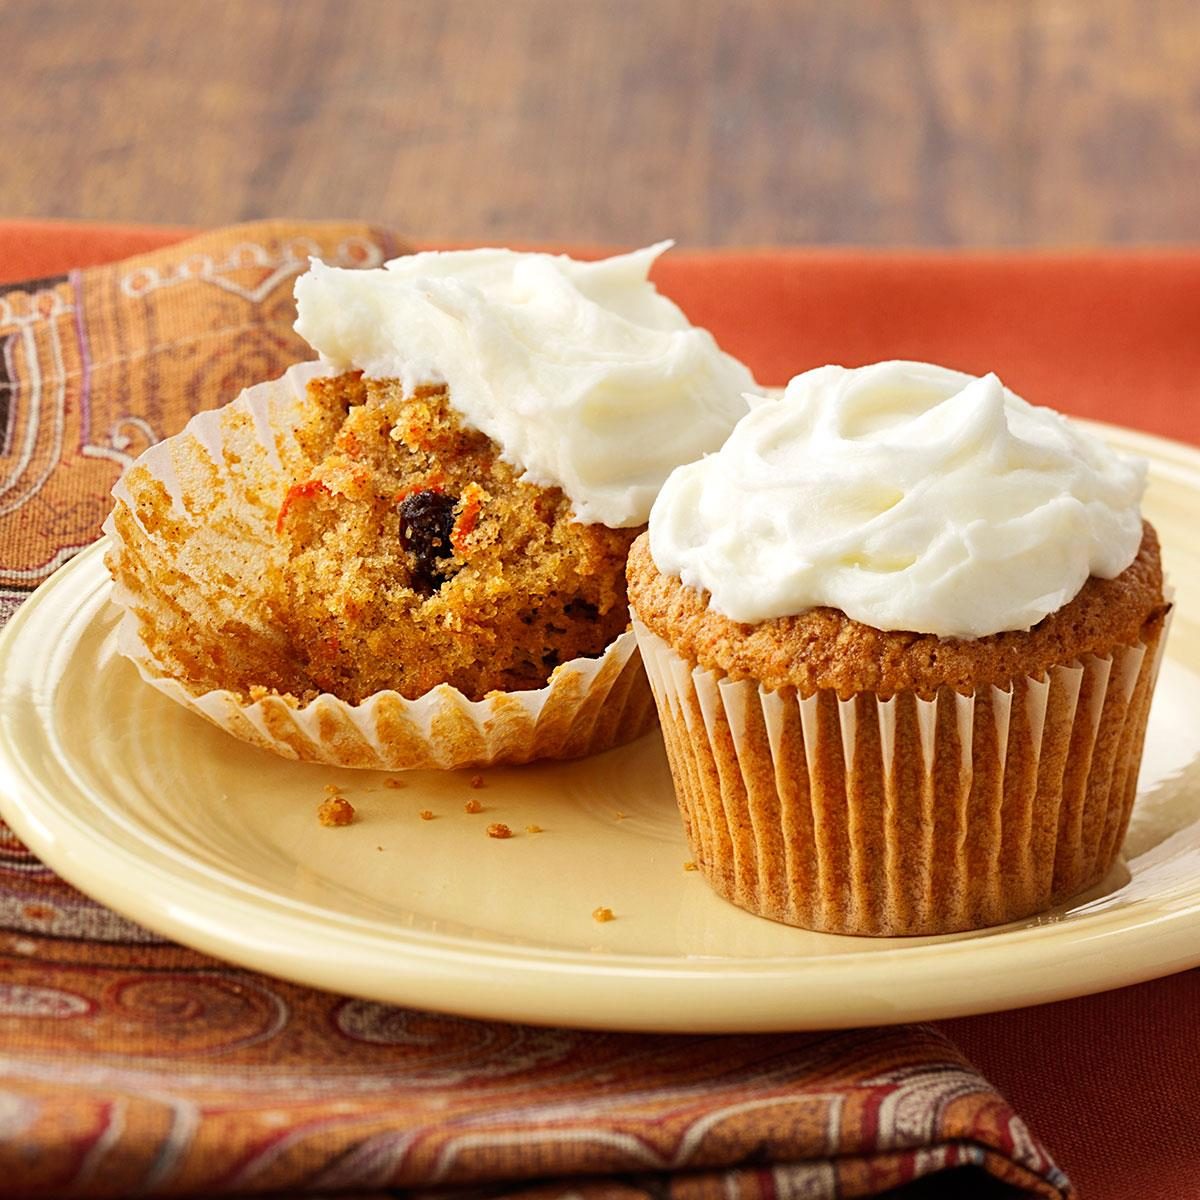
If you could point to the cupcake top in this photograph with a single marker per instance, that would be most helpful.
(584, 376)
(908, 496)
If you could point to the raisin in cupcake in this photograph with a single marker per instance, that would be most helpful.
(903, 631)
(412, 553)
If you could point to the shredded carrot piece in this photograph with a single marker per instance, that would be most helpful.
(298, 491)
(472, 503)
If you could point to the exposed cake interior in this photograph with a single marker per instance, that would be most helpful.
(412, 555)
(372, 544)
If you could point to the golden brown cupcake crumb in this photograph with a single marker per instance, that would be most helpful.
(533, 829)
(410, 554)
(333, 789)
(335, 599)
(603, 914)
(473, 806)
(499, 831)
(690, 866)
(425, 815)
(337, 810)
(477, 781)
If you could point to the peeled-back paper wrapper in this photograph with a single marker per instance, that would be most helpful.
(194, 524)
(905, 815)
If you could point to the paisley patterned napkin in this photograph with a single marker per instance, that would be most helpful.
(132, 1066)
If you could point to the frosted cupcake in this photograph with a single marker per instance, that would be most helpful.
(903, 630)
(413, 552)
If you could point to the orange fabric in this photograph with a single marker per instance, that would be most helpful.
(1108, 1081)
(1109, 335)
(35, 249)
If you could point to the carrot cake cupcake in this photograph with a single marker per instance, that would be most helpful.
(439, 511)
(903, 630)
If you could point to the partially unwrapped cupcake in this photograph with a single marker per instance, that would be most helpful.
(903, 630)
(413, 552)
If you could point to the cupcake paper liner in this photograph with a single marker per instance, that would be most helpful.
(905, 815)
(201, 506)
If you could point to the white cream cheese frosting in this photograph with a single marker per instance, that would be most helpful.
(909, 496)
(581, 372)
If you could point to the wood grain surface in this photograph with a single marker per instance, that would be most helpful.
(930, 122)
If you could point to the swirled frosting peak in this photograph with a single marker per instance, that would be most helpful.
(582, 373)
(909, 496)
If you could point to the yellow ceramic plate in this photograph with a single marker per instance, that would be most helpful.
(171, 822)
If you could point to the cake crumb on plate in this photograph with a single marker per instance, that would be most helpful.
(337, 810)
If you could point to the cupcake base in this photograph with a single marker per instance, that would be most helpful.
(908, 815)
(589, 706)
(192, 534)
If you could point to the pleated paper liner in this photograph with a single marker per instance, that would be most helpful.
(191, 533)
(907, 815)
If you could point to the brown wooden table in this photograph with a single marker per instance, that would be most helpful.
(933, 122)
